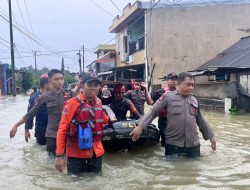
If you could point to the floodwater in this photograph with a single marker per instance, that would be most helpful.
(27, 166)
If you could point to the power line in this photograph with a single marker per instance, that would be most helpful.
(116, 6)
(4, 44)
(25, 27)
(19, 55)
(16, 24)
(32, 38)
(28, 16)
(100, 7)
(27, 12)
(150, 9)
(21, 16)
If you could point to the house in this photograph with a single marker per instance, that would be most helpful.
(5, 76)
(227, 77)
(155, 38)
(105, 61)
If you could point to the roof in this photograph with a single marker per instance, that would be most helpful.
(191, 3)
(235, 57)
(105, 47)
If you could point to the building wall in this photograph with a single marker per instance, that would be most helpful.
(120, 49)
(183, 38)
(137, 58)
(4, 82)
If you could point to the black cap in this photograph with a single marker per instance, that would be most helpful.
(171, 75)
(86, 78)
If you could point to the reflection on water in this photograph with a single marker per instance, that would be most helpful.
(27, 166)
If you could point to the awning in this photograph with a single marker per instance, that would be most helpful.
(105, 73)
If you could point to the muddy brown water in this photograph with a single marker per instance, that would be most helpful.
(27, 165)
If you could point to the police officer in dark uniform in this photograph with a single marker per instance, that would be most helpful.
(171, 80)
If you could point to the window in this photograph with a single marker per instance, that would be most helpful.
(125, 44)
(136, 36)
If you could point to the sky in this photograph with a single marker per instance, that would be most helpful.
(56, 26)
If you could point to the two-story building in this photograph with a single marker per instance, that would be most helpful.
(155, 38)
(104, 62)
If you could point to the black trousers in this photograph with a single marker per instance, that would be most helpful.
(191, 152)
(40, 137)
(51, 146)
(162, 123)
(79, 166)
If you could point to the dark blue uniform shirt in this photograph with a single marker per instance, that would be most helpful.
(41, 116)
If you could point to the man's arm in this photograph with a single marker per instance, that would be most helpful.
(149, 116)
(133, 110)
(29, 123)
(69, 112)
(20, 122)
(39, 103)
(147, 95)
(205, 129)
(77, 88)
(13, 130)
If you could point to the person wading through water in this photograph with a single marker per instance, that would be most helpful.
(41, 116)
(82, 114)
(54, 101)
(183, 116)
(139, 96)
(171, 80)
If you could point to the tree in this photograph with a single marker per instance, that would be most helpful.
(26, 80)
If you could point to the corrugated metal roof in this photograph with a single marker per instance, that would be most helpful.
(190, 3)
(235, 57)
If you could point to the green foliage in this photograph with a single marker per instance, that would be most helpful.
(68, 79)
(26, 80)
(28, 77)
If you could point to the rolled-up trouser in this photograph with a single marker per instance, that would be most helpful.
(51, 146)
(162, 123)
(191, 152)
(78, 166)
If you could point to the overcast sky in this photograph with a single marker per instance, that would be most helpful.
(62, 25)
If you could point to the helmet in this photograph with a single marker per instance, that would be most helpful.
(120, 88)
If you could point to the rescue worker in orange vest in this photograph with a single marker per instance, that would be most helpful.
(81, 114)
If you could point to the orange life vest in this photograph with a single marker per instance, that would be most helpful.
(87, 114)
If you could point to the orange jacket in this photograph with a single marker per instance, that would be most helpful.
(71, 108)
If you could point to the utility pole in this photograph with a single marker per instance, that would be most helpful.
(36, 68)
(12, 53)
(80, 66)
(62, 66)
(83, 58)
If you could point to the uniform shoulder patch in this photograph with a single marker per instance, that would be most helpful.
(193, 101)
(163, 96)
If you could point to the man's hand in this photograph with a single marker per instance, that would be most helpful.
(136, 133)
(143, 85)
(60, 164)
(27, 135)
(213, 143)
(77, 87)
(13, 132)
